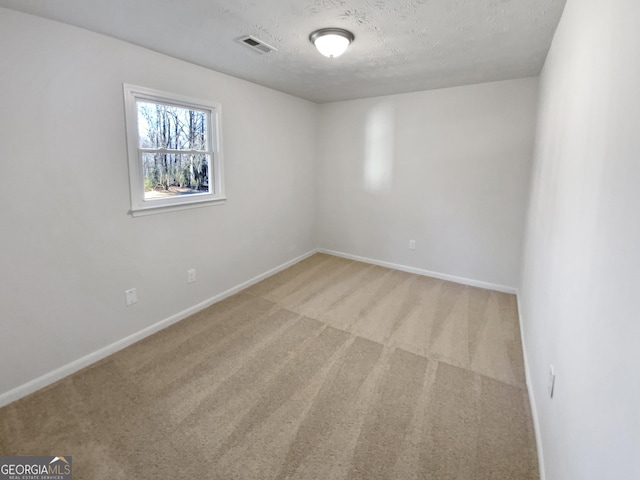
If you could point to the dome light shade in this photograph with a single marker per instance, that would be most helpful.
(331, 42)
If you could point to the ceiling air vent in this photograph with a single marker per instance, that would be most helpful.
(257, 45)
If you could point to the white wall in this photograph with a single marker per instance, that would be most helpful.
(69, 247)
(448, 168)
(581, 274)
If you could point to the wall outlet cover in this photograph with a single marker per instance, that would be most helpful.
(191, 275)
(131, 296)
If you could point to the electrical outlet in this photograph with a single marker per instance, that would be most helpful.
(131, 296)
(412, 244)
(191, 275)
(552, 380)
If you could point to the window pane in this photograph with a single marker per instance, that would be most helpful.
(167, 126)
(170, 174)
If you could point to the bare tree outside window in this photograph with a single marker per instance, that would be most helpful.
(173, 144)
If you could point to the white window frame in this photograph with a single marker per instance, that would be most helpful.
(215, 196)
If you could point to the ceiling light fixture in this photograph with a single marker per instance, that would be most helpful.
(331, 42)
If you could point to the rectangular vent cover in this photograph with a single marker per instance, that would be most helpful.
(257, 45)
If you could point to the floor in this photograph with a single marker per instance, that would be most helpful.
(331, 369)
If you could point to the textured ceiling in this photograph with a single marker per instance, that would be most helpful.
(400, 46)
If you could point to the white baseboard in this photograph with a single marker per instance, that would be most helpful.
(426, 273)
(66, 370)
(532, 400)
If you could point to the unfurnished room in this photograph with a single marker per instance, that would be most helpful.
(320, 239)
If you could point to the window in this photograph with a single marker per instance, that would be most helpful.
(174, 146)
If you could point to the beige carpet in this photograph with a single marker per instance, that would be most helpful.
(332, 369)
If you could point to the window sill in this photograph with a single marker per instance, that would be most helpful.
(156, 209)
